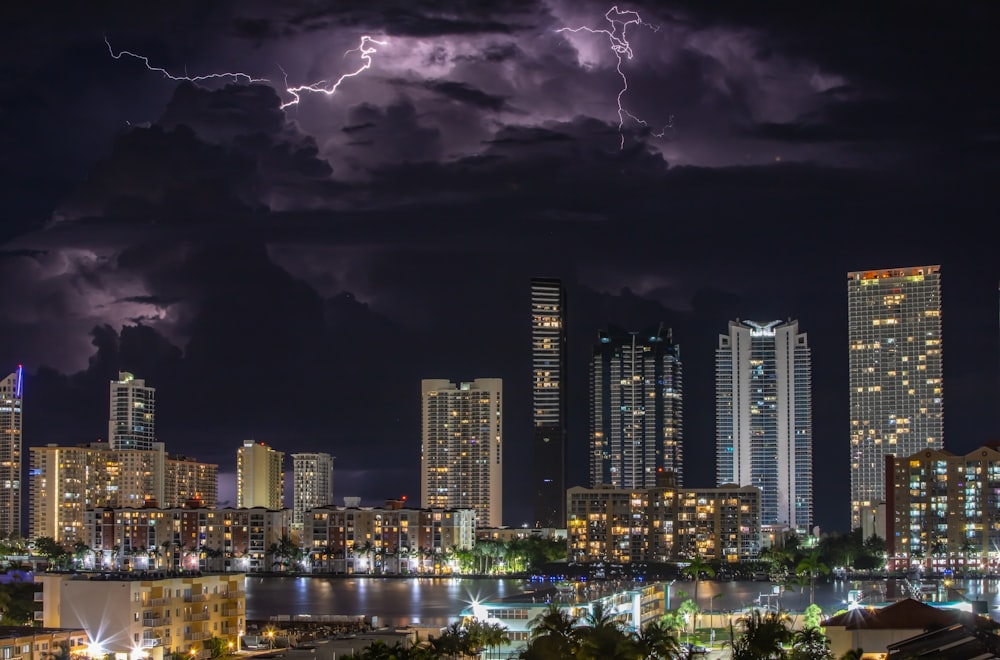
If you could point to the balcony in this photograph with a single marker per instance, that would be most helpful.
(152, 622)
(231, 610)
(38, 596)
(196, 598)
(232, 595)
(196, 616)
(196, 636)
(149, 642)
(154, 602)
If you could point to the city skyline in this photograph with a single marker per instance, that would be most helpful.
(290, 272)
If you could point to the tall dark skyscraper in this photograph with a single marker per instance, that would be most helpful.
(635, 409)
(548, 394)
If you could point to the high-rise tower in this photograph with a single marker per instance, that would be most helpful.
(763, 417)
(132, 424)
(896, 396)
(260, 476)
(461, 454)
(635, 409)
(312, 484)
(548, 373)
(11, 389)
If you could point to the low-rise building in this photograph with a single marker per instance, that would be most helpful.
(663, 524)
(124, 613)
(28, 643)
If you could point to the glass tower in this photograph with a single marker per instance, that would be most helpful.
(635, 409)
(896, 398)
(548, 365)
(312, 484)
(10, 452)
(763, 417)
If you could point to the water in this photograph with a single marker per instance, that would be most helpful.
(438, 601)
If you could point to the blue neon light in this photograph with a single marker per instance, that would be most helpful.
(20, 381)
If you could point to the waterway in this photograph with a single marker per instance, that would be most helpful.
(439, 601)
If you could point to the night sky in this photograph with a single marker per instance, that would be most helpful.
(290, 275)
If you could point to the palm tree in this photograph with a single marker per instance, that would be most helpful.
(602, 636)
(552, 635)
(695, 569)
(810, 644)
(853, 654)
(810, 566)
(762, 636)
(657, 640)
(366, 549)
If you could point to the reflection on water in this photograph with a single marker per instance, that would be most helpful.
(438, 601)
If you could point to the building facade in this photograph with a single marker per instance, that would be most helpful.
(64, 482)
(132, 422)
(30, 643)
(896, 389)
(185, 539)
(312, 484)
(135, 616)
(636, 409)
(260, 476)
(763, 417)
(548, 393)
(11, 400)
(944, 510)
(461, 451)
(390, 540)
(663, 524)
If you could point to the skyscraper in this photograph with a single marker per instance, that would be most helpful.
(635, 409)
(461, 453)
(897, 401)
(132, 424)
(10, 451)
(548, 366)
(312, 484)
(260, 476)
(763, 418)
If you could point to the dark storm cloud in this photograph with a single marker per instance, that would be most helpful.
(465, 93)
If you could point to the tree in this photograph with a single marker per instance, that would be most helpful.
(552, 635)
(810, 644)
(811, 566)
(762, 636)
(853, 654)
(602, 637)
(216, 645)
(48, 547)
(656, 640)
(695, 570)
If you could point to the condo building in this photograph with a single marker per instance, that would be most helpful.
(763, 417)
(132, 424)
(896, 389)
(461, 450)
(664, 523)
(636, 409)
(312, 484)
(548, 369)
(11, 400)
(260, 476)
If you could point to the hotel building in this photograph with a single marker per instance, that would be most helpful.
(896, 390)
(260, 476)
(763, 417)
(548, 393)
(461, 451)
(312, 484)
(636, 409)
(11, 390)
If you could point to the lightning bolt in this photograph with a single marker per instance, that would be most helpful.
(616, 34)
(366, 48)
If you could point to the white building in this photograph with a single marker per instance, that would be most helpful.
(312, 484)
(260, 476)
(10, 452)
(461, 453)
(896, 389)
(132, 423)
(763, 416)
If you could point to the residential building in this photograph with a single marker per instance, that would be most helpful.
(64, 482)
(461, 451)
(896, 389)
(127, 612)
(312, 484)
(763, 417)
(549, 383)
(663, 524)
(260, 476)
(636, 408)
(30, 643)
(132, 423)
(11, 400)
(185, 538)
(943, 510)
(386, 540)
